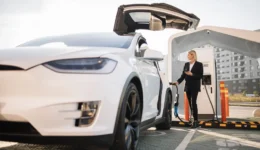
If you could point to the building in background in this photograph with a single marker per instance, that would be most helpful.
(240, 73)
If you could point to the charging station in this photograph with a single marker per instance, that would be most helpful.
(208, 85)
(244, 42)
(206, 100)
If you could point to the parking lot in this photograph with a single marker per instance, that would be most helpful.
(177, 138)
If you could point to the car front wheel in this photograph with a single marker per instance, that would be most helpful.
(166, 125)
(127, 132)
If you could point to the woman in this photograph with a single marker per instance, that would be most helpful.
(192, 73)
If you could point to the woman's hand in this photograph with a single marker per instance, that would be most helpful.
(188, 73)
(173, 83)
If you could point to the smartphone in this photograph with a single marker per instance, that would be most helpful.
(186, 69)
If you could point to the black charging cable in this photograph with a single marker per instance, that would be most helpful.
(211, 106)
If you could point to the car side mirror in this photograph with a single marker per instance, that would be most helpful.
(153, 55)
(144, 47)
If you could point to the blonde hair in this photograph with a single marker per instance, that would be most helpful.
(194, 54)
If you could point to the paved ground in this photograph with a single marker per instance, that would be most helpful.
(236, 113)
(214, 139)
(176, 139)
(179, 138)
(241, 112)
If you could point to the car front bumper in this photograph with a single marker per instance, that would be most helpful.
(48, 101)
(89, 141)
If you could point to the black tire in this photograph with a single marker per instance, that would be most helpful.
(128, 129)
(166, 125)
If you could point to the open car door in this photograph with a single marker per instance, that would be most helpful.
(157, 16)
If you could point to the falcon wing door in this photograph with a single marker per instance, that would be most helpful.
(155, 17)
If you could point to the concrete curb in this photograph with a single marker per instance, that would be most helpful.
(245, 101)
(224, 125)
(247, 105)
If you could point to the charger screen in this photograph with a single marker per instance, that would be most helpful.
(206, 80)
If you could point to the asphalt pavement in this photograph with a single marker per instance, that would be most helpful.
(177, 138)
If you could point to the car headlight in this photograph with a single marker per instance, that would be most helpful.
(83, 65)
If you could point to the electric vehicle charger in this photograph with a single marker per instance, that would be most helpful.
(176, 104)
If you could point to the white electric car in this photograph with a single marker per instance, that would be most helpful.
(93, 88)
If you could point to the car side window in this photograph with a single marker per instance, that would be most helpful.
(141, 48)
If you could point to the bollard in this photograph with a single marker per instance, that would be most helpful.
(227, 102)
(186, 107)
(222, 97)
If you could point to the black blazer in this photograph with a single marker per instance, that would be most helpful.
(192, 82)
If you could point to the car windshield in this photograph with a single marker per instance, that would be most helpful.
(83, 40)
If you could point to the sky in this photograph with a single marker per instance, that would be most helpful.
(23, 20)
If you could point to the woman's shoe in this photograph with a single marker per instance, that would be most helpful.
(191, 121)
(195, 124)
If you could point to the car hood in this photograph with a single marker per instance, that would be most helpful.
(27, 57)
